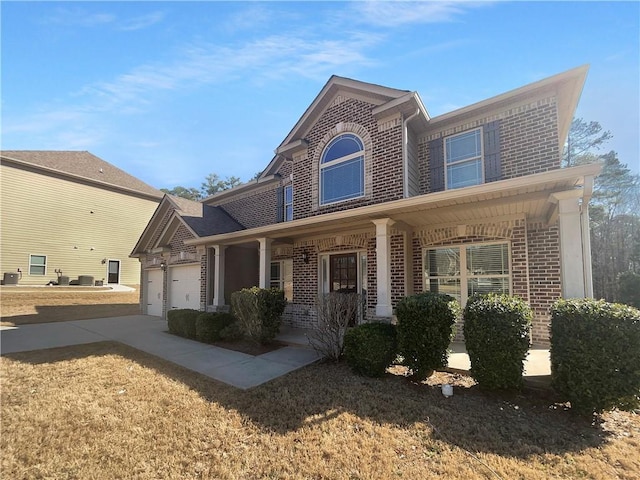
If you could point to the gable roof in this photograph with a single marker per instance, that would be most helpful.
(372, 93)
(202, 220)
(80, 166)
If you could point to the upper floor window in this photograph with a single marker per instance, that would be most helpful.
(463, 159)
(37, 264)
(288, 203)
(342, 169)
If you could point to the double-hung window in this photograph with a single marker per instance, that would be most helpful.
(342, 169)
(37, 264)
(282, 277)
(463, 159)
(462, 271)
(288, 203)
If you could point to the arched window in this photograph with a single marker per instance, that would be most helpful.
(342, 169)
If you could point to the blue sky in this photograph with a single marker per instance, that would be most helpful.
(172, 91)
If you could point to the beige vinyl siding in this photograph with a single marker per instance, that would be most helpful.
(50, 216)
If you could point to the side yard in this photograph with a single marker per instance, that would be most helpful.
(132, 415)
(25, 305)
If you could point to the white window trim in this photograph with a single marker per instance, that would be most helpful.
(282, 280)
(46, 261)
(463, 268)
(337, 161)
(480, 157)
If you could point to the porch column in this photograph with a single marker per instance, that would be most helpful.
(265, 262)
(218, 276)
(572, 268)
(383, 266)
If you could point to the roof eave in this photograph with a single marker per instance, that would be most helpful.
(569, 176)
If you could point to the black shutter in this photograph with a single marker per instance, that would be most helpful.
(436, 165)
(492, 164)
(280, 204)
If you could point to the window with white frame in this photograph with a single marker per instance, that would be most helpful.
(461, 271)
(463, 159)
(282, 277)
(288, 203)
(37, 264)
(342, 169)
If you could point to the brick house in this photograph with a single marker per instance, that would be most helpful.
(370, 194)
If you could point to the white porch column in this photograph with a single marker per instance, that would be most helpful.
(572, 268)
(265, 262)
(383, 266)
(218, 276)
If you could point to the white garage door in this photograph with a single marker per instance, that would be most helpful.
(184, 287)
(153, 292)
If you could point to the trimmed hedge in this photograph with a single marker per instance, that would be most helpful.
(183, 322)
(425, 329)
(370, 348)
(259, 312)
(209, 326)
(595, 354)
(496, 335)
(231, 333)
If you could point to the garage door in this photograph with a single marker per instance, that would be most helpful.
(184, 287)
(153, 292)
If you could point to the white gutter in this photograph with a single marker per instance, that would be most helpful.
(405, 150)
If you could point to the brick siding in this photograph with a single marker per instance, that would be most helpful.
(528, 140)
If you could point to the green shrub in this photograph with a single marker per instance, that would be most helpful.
(370, 348)
(425, 329)
(231, 333)
(259, 312)
(209, 325)
(183, 322)
(595, 354)
(629, 289)
(496, 335)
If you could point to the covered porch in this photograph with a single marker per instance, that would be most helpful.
(554, 197)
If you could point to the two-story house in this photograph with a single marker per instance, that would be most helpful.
(368, 193)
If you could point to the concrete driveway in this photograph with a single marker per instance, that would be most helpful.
(150, 335)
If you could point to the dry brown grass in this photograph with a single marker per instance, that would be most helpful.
(24, 305)
(108, 411)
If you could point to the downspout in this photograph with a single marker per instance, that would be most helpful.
(405, 152)
(586, 237)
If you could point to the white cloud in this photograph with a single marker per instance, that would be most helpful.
(141, 22)
(398, 13)
(79, 17)
(69, 17)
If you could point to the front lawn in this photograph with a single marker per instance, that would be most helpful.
(108, 411)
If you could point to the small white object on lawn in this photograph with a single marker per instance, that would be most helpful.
(447, 390)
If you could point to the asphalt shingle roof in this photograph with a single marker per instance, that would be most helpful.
(205, 220)
(82, 164)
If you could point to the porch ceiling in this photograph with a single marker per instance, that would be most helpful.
(528, 195)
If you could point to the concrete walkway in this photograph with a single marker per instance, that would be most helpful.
(149, 334)
(240, 370)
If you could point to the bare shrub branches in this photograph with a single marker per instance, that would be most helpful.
(336, 311)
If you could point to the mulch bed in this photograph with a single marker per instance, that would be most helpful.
(250, 348)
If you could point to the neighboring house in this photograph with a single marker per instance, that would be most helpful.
(370, 194)
(70, 212)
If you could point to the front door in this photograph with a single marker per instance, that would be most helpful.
(344, 273)
(113, 274)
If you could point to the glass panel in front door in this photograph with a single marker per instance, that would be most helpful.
(344, 273)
